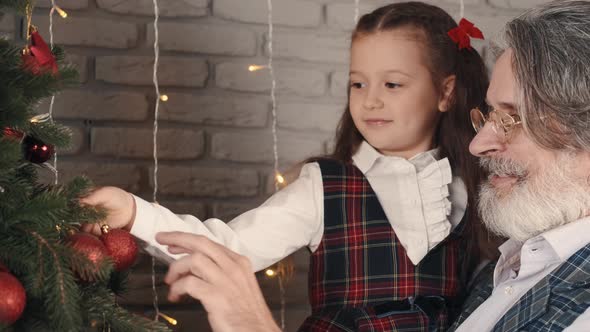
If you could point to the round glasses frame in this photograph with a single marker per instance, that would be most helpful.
(502, 123)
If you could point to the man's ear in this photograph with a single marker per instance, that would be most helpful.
(448, 86)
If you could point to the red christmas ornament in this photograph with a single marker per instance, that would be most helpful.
(13, 298)
(121, 247)
(89, 246)
(37, 57)
(460, 35)
(36, 151)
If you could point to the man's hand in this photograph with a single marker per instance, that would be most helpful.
(222, 280)
(120, 206)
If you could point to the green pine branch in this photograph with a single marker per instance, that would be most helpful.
(9, 154)
(54, 134)
(65, 290)
(105, 314)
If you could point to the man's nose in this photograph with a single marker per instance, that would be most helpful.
(487, 142)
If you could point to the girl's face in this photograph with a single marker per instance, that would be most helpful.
(393, 101)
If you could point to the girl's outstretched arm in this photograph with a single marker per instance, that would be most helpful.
(289, 220)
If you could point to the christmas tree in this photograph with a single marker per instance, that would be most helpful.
(52, 278)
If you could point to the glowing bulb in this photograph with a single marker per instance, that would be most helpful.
(40, 118)
(280, 179)
(270, 272)
(164, 97)
(255, 67)
(169, 319)
(61, 12)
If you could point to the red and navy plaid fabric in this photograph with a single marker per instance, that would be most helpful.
(551, 305)
(360, 264)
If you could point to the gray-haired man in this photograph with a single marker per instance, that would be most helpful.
(535, 141)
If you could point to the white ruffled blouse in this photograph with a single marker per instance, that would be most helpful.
(416, 196)
(420, 197)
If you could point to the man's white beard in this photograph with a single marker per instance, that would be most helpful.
(534, 204)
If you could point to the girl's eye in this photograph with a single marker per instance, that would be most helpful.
(391, 85)
(357, 85)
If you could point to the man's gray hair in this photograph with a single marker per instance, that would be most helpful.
(551, 63)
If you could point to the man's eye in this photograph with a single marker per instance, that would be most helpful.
(357, 85)
(391, 85)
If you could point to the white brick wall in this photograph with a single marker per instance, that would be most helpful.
(138, 70)
(122, 142)
(94, 32)
(125, 175)
(218, 182)
(176, 8)
(100, 105)
(290, 79)
(235, 111)
(257, 147)
(300, 13)
(229, 39)
(215, 141)
(311, 46)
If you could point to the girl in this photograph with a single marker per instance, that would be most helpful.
(387, 216)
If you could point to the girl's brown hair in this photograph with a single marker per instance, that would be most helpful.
(444, 59)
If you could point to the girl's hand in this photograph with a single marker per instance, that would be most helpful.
(222, 280)
(119, 204)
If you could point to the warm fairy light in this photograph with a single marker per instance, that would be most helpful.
(270, 272)
(169, 319)
(164, 97)
(255, 67)
(40, 118)
(60, 11)
(280, 179)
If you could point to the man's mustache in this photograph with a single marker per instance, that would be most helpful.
(503, 167)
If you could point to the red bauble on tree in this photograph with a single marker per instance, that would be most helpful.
(89, 246)
(121, 247)
(13, 298)
(36, 151)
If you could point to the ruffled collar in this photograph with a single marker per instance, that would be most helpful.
(434, 181)
(368, 159)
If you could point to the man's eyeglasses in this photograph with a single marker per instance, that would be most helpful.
(502, 123)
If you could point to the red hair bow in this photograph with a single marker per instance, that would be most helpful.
(460, 35)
